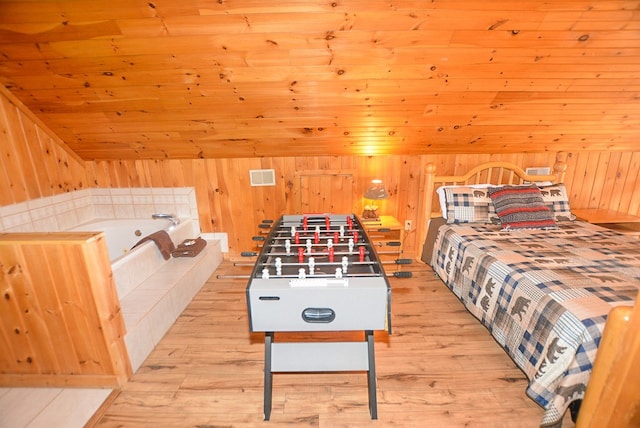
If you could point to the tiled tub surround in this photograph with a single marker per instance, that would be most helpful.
(122, 234)
(152, 292)
(68, 210)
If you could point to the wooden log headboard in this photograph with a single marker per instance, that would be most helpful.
(486, 173)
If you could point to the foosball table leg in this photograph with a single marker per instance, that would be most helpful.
(268, 375)
(371, 375)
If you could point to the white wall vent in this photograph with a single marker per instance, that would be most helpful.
(538, 170)
(262, 177)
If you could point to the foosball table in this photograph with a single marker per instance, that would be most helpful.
(318, 273)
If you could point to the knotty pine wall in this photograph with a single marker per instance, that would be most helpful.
(35, 163)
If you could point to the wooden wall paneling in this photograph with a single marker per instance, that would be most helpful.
(142, 174)
(108, 325)
(104, 176)
(590, 162)
(410, 196)
(48, 160)
(598, 182)
(629, 202)
(204, 185)
(65, 171)
(176, 173)
(71, 173)
(122, 173)
(17, 355)
(11, 163)
(156, 175)
(131, 170)
(22, 155)
(186, 167)
(76, 297)
(634, 203)
(609, 180)
(200, 181)
(7, 196)
(50, 167)
(281, 201)
(52, 312)
(568, 178)
(325, 191)
(42, 341)
(233, 185)
(32, 144)
(579, 173)
(624, 169)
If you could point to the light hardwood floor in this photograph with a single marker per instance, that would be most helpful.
(438, 368)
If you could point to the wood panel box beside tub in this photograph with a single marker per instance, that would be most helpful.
(62, 324)
(117, 309)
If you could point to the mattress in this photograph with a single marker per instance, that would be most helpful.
(543, 294)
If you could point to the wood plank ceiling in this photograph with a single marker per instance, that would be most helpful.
(156, 79)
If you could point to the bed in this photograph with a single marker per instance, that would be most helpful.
(540, 281)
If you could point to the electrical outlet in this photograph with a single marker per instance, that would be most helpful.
(407, 225)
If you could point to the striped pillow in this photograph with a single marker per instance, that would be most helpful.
(521, 207)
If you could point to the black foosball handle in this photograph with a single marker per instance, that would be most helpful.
(264, 225)
(403, 274)
(394, 244)
(248, 253)
(258, 238)
(267, 221)
(404, 261)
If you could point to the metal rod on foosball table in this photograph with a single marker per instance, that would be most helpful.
(368, 263)
(399, 274)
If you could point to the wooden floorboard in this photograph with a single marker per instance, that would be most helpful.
(438, 368)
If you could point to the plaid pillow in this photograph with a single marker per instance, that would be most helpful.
(556, 199)
(521, 207)
(469, 205)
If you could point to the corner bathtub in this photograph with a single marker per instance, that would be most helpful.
(121, 235)
(132, 266)
(152, 291)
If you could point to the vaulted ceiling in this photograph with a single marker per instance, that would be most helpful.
(155, 79)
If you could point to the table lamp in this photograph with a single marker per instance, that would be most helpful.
(375, 192)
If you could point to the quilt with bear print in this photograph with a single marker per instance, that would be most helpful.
(543, 294)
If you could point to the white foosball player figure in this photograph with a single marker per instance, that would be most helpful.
(338, 273)
(265, 273)
(345, 263)
(312, 265)
(278, 266)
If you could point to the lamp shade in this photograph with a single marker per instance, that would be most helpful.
(376, 190)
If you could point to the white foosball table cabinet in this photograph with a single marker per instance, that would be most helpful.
(318, 273)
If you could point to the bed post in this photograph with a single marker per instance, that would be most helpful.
(612, 397)
(560, 167)
(427, 205)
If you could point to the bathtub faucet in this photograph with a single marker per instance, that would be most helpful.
(174, 220)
